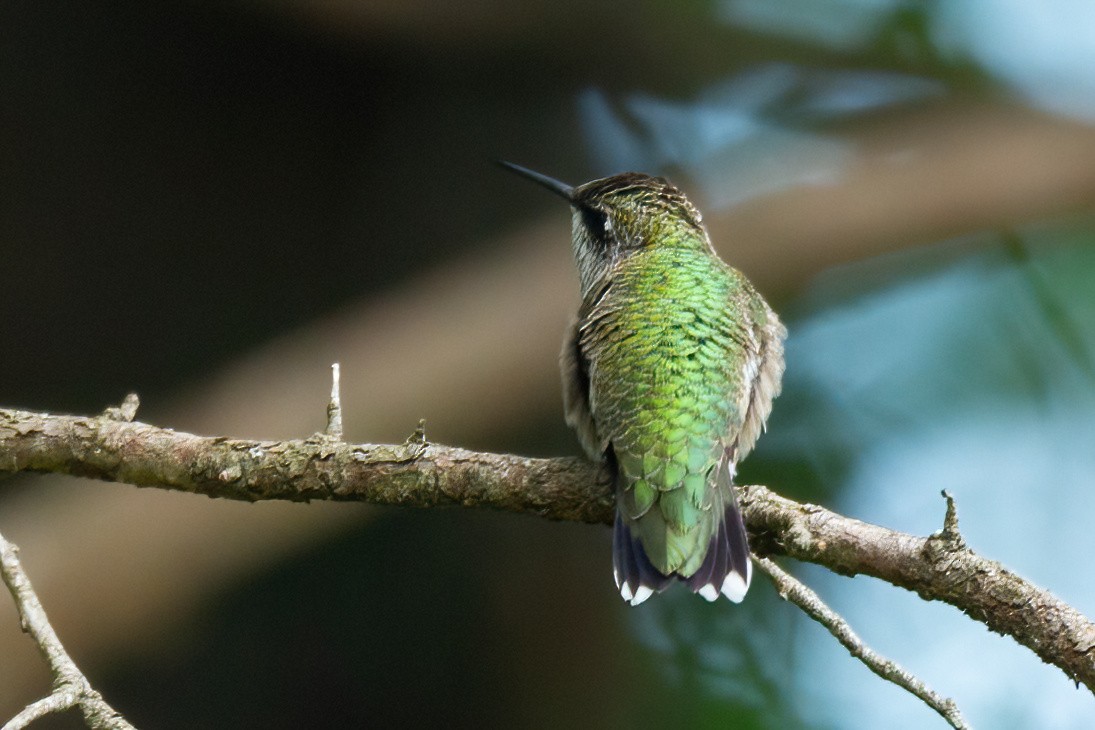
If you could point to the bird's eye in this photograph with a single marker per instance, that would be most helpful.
(596, 222)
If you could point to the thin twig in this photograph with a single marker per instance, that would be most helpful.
(60, 701)
(70, 686)
(334, 407)
(791, 589)
(125, 412)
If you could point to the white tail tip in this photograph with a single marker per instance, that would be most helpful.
(643, 593)
(709, 592)
(734, 587)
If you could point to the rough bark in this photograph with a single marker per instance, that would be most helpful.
(418, 473)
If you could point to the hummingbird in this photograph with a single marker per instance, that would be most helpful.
(669, 372)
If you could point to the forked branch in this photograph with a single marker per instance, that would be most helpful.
(70, 687)
(417, 473)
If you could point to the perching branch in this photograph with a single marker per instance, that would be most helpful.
(418, 473)
(70, 687)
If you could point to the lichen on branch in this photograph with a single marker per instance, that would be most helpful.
(417, 473)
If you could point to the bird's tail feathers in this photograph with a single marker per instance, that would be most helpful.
(636, 577)
(726, 568)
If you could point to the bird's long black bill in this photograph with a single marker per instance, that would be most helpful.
(559, 188)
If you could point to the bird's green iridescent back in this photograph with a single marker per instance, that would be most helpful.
(665, 345)
(669, 373)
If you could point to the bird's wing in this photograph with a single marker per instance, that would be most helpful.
(574, 366)
(763, 375)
